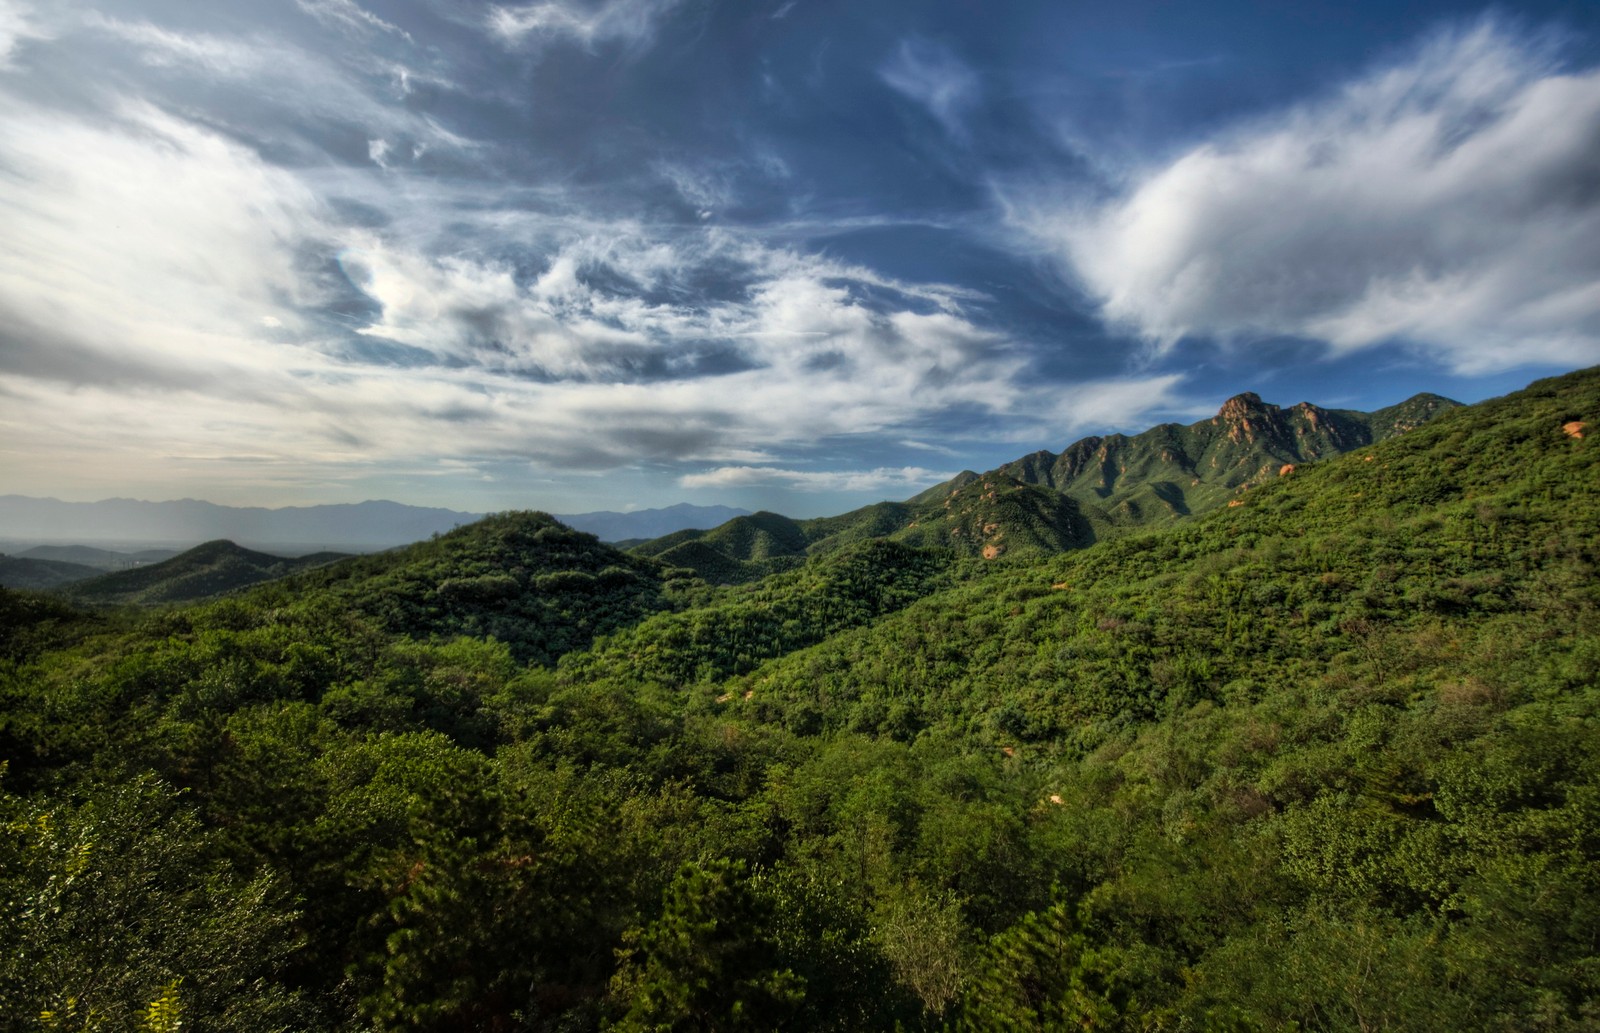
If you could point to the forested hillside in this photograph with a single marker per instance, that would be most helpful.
(1324, 759)
(1096, 488)
(209, 569)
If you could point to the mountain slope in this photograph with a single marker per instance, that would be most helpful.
(1173, 471)
(1047, 502)
(1488, 510)
(206, 570)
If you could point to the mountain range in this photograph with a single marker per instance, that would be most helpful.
(357, 527)
(1042, 503)
(1095, 488)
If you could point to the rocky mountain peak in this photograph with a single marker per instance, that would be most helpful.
(1243, 406)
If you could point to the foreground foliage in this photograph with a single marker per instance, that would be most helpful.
(1329, 759)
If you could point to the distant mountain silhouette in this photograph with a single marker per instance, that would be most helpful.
(357, 527)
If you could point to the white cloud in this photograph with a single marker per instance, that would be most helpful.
(158, 46)
(1447, 201)
(148, 241)
(350, 15)
(630, 21)
(705, 189)
(934, 77)
(167, 301)
(906, 478)
(17, 23)
(308, 88)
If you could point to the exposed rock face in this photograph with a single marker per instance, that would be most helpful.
(1574, 429)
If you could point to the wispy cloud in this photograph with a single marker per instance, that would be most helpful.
(933, 76)
(18, 22)
(349, 15)
(905, 478)
(629, 21)
(1446, 200)
(300, 97)
(160, 46)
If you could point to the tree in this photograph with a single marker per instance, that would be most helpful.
(707, 962)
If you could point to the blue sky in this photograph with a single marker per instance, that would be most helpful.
(788, 254)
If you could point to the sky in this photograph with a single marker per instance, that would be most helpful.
(799, 255)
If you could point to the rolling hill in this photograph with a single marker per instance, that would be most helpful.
(524, 579)
(211, 569)
(30, 572)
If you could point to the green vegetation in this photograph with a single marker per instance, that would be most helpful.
(28, 572)
(214, 568)
(1328, 759)
(1042, 503)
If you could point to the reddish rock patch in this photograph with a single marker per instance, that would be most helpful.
(1574, 429)
(1286, 469)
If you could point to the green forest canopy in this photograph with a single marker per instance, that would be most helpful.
(1328, 759)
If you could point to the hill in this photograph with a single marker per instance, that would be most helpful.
(987, 517)
(524, 579)
(211, 569)
(1045, 502)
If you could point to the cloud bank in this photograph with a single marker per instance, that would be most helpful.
(1448, 201)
